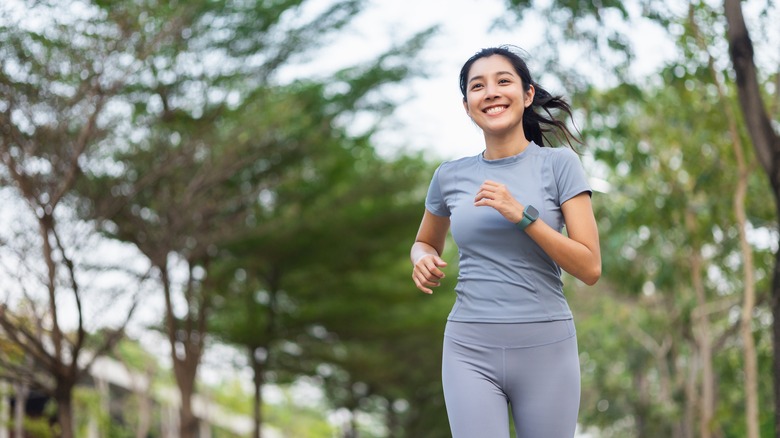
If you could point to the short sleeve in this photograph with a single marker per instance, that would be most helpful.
(434, 201)
(570, 176)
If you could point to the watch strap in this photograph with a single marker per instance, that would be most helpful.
(527, 219)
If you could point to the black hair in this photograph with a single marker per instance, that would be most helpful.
(535, 124)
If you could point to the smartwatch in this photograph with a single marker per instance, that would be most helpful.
(530, 214)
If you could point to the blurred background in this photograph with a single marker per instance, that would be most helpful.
(206, 208)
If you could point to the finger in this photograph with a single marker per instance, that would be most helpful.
(483, 195)
(428, 273)
(433, 265)
(430, 283)
(483, 201)
(491, 186)
(421, 287)
(434, 272)
(486, 189)
(427, 279)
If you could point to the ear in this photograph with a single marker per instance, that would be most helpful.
(529, 96)
(466, 107)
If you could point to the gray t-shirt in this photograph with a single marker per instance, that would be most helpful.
(505, 277)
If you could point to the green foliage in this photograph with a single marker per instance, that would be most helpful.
(36, 428)
(87, 402)
(322, 267)
(576, 9)
(257, 187)
(292, 419)
(204, 148)
(665, 153)
(55, 85)
(232, 396)
(589, 29)
(134, 357)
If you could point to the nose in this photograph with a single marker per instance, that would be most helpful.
(491, 91)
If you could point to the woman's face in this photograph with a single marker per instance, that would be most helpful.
(495, 98)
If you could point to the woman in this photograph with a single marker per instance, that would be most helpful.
(510, 336)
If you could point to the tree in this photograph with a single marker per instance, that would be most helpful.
(211, 140)
(188, 200)
(56, 90)
(378, 342)
(672, 254)
(333, 214)
(766, 142)
(382, 354)
(295, 307)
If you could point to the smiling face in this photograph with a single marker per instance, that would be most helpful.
(495, 98)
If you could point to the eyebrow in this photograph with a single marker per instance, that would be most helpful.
(497, 74)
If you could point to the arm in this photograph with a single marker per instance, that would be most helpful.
(426, 251)
(578, 253)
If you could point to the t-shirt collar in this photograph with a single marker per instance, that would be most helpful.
(529, 150)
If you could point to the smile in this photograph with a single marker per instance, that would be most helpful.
(495, 109)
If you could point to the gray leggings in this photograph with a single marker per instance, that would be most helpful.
(533, 367)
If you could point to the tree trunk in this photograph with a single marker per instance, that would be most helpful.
(391, 420)
(22, 390)
(144, 416)
(185, 354)
(65, 413)
(746, 325)
(766, 143)
(188, 427)
(351, 430)
(257, 368)
(702, 333)
(691, 398)
(143, 393)
(749, 295)
(641, 409)
(775, 304)
(185, 370)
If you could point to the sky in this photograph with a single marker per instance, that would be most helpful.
(434, 120)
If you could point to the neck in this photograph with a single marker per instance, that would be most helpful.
(504, 146)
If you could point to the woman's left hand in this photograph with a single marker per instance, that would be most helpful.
(496, 195)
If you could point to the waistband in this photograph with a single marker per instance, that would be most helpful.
(510, 335)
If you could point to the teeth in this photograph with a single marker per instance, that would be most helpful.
(495, 109)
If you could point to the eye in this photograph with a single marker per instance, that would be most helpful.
(504, 81)
(476, 86)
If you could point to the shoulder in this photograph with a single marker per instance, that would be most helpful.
(560, 157)
(462, 162)
(457, 164)
(559, 153)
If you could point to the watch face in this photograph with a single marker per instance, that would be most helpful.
(532, 212)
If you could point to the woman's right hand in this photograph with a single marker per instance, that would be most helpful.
(426, 273)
